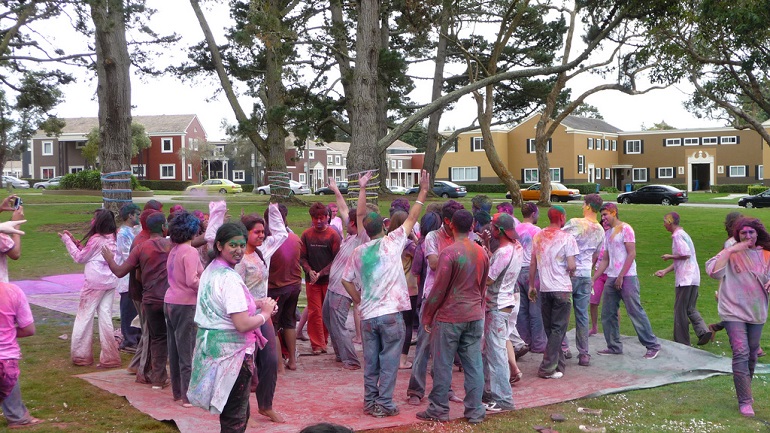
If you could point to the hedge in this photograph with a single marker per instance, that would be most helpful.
(485, 187)
(756, 189)
(247, 188)
(731, 187)
(165, 185)
(88, 179)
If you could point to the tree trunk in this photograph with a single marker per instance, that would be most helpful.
(114, 95)
(432, 157)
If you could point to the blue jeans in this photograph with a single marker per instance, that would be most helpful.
(530, 320)
(556, 309)
(629, 294)
(463, 339)
(131, 335)
(265, 375)
(744, 340)
(382, 337)
(497, 374)
(581, 294)
(13, 407)
(335, 314)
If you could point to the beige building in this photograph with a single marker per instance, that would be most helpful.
(584, 150)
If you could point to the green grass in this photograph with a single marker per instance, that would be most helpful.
(48, 380)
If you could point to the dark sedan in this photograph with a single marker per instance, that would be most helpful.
(443, 188)
(760, 200)
(343, 187)
(654, 194)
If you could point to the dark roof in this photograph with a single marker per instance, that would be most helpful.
(589, 124)
(174, 123)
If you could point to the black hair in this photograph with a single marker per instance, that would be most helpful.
(155, 222)
(128, 210)
(103, 224)
(462, 220)
(182, 227)
(325, 427)
(226, 232)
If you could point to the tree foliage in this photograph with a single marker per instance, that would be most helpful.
(140, 141)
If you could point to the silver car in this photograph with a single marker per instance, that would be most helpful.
(54, 181)
(15, 182)
(296, 188)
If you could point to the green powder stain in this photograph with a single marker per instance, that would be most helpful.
(369, 261)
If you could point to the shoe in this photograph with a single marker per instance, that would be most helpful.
(608, 352)
(593, 331)
(425, 416)
(454, 398)
(413, 400)
(351, 367)
(302, 337)
(128, 349)
(567, 354)
(584, 360)
(381, 412)
(523, 350)
(25, 423)
(760, 353)
(369, 409)
(554, 375)
(747, 411)
(492, 407)
(652, 354)
(705, 338)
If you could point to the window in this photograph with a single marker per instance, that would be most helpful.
(761, 172)
(138, 170)
(731, 139)
(302, 178)
(530, 145)
(737, 171)
(597, 173)
(665, 172)
(681, 170)
(465, 174)
(336, 160)
(300, 154)
(400, 164)
(311, 154)
(710, 140)
(692, 141)
(633, 146)
(344, 161)
(329, 159)
(672, 142)
(555, 174)
(640, 175)
(80, 144)
(531, 175)
(581, 164)
(76, 168)
(606, 173)
(47, 148)
(239, 175)
(590, 144)
(477, 144)
(392, 164)
(606, 144)
(47, 172)
(166, 145)
(168, 171)
(614, 145)
(189, 171)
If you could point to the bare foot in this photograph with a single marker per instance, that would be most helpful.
(357, 340)
(273, 415)
(291, 366)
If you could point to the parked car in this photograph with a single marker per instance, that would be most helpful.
(296, 188)
(15, 182)
(559, 192)
(443, 188)
(760, 200)
(342, 186)
(222, 186)
(54, 181)
(395, 189)
(663, 194)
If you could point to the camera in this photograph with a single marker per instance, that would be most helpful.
(17, 202)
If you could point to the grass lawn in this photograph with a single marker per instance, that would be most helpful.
(51, 392)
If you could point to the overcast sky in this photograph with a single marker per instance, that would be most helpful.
(169, 95)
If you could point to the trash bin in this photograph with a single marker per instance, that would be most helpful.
(597, 188)
(696, 187)
(628, 187)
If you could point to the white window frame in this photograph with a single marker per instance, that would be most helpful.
(597, 173)
(173, 171)
(329, 159)
(189, 171)
(302, 178)
(311, 154)
(392, 164)
(720, 169)
(728, 139)
(336, 160)
(607, 144)
(477, 144)
(636, 174)
(555, 174)
(49, 167)
(590, 144)
(691, 141)
(239, 175)
(531, 175)
(465, 174)
(73, 167)
(735, 170)
(709, 141)
(631, 144)
(80, 144)
(42, 150)
(663, 173)
(300, 154)
(681, 169)
(607, 173)
(163, 142)
(400, 164)
(139, 170)
(673, 142)
(614, 145)
(760, 172)
(581, 164)
(531, 145)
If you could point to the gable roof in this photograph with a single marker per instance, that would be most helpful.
(589, 124)
(160, 124)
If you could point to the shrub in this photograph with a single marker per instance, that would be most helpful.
(756, 189)
(731, 188)
(479, 187)
(247, 188)
(584, 188)
(90, 179)
(611, 189)
(168, 185)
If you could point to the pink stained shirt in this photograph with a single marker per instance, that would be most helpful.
(552, 247)
(526, 232)
(589, 236)
(686, 272)
(615, 247)
(6, 244)
(349, 244)
(14, 312)
(184, 271)
(435, 242)
(742, 297)
(97, 273)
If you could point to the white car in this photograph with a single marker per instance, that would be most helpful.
(296, 188)
(54, 181)
(15, 182)
(395, 189)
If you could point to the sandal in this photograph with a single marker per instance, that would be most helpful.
(516, 377)
(25, 423)
(406, 367)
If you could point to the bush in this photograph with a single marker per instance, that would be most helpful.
(611, 189)
(731, 188)
(90, 179)
(584, 188)
(756, 189)
(247, 188)
(479, 187)
(168, 185)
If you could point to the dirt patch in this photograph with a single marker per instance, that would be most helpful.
(74, 228)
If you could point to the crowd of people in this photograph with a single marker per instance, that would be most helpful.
(209, 303)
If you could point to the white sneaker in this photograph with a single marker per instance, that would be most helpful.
(555, 375)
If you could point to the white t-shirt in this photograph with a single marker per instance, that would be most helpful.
(589, 236)
(615, 247)
(506, 296)
(551, 247)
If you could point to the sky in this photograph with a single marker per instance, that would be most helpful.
(170, 95)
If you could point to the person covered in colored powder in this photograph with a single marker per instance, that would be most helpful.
(744, 271)
(598, 284)
(529, 322)
(553, 257)
(228, 329)
(453, 313)
(686, 281)
(320, 244)
(375, 279)
(622, 285)
(125, 237)
(97, 293)
(16, 322)
(589, 235)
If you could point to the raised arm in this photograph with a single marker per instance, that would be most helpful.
(414, 211)
(361, 206)
(278, 233)
(342, 205)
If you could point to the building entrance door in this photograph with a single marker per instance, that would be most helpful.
(700, 177)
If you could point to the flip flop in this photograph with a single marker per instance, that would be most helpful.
(407, 367)
(25, 423)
